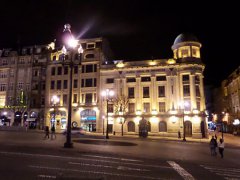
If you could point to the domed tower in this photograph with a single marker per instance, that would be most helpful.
(186, 48)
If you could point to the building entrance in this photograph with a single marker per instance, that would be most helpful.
(88, 120)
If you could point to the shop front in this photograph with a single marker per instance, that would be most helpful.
(88, 120)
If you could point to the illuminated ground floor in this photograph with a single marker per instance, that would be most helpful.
(160, 125)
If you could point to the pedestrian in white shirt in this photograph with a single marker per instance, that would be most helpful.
(221, 147)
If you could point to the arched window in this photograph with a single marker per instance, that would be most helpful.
(131, 126)
(162, 126)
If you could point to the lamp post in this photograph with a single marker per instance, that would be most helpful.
(54, 101)
(107, 93)
(70, 47)
(103, 118)
(182, 107)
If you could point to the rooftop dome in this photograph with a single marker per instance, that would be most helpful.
(185, 37)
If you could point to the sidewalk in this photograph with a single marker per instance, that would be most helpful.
(228, 138)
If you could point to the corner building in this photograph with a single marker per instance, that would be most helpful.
(164, 92)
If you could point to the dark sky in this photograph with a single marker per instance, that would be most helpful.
(135, 29)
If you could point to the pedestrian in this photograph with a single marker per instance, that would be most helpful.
(53, 132)
(46, 132)
(26, 126)
(213, 146)
(221, 147)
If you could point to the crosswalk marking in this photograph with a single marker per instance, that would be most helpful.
(106, 157)
(181, 171)
(227, 173)
(95, 172)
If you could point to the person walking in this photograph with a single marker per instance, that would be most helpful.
(221, 147)
(213, 146)
(53, 132)
(46, 132)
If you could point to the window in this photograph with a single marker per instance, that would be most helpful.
(187, 104)
(131, 126)
(95, 67)
(89, 56)
(65, 70)
(42, 101)
(185, 53)
(161, 91)
(185, 78)
(27, 86)
(89, 68)
(145, 92)
(95, 82)
(75, 70)
(3, 87)
(11, 73)
(146, 107)
(59, 71)
(88, 83)
(162, 126)
(75, 83)
(145, 79)
(197, 91)
(65, 84)
(53, 71)
(162, 107)
(82, 83)
(186, 90)
(109, 80)
(197, 79)
(21, 61)
(52, 84)
(74, 98)
(131, 107)
(88, 99)
(90, 45)
(20, 85)
(35, 73)
(161, 78)
(198, 104)
(59, 84)
(131, 92)
(3, 74)
(64, 99)
(131, 80)
(110, 108)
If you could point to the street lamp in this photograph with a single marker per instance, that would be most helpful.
(70, 47)
(182, 107)
(224, 118)
(107, 93)
(54, 100)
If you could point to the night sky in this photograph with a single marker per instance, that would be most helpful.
(135, 29)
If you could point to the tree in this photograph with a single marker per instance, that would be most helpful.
(121, 106)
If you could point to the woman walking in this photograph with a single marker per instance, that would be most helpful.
(221, 147)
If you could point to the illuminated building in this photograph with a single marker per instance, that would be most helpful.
(158, 89)
(231, 95)
(164, 92)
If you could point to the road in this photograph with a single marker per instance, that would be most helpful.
(26, 155)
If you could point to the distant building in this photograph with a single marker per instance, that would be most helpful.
(163, 92)
(231, 96)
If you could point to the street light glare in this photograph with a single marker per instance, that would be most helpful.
(72, 42)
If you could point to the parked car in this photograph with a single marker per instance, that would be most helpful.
(75, 130)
